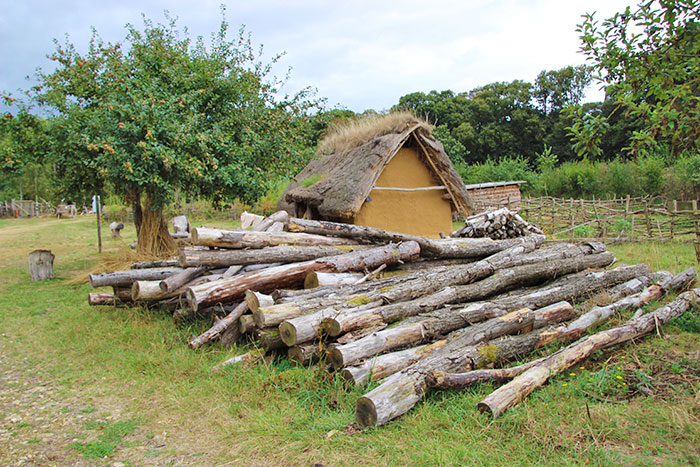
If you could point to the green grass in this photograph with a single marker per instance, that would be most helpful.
(272, 413)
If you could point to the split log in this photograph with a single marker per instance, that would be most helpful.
(515, 391)
(250, 239)
(228, 290)
(248, 219)
(502, 280)
(192, 257)
(399, 392)
(330, 279)
(229, 321)
(183, 277)
(105, 298)
(126, 278)
(164, 263)
(255, 300)
(41, 265)
(268, 222)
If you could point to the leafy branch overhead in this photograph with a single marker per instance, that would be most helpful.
(649, 61)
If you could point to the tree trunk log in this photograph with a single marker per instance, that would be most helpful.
(270, 340)
(229, 321)
(228, 290)
(251, 239)
(41, 265)
(163, 263)
(246, 324)
(255, 300)
(122, 294)
(183, 277)
(330, 279)
(150, 291)
(304, 355)
(192, 257)
(435, 248)
(248, 358)
(265, 224)
(101, 299)
(399, 392)
(126, 278)
(515, 391)
(502, 280)
(412, 334)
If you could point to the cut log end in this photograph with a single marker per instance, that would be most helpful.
(335, 357)
(331, 327)
(366, 412)
(288, 333)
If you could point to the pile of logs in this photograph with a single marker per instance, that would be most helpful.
(407, 312)
(499, 224)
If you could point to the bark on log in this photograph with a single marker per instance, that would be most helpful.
(122, 294)
(418, 332)
(630, 287)
(270, 340)
(510, 394)
(330, 279)
(304, 355)
(101, 299)
(246, 324)
(435, 248)
(250, 239)
(399, 392)
(41, 265)
(165, 263)
(176, 281)
(150, 291)
(126, 278)
(573, 330)
(248, 358)
(255, 300)
(265, 224)
(228, 290)
(229, 321)
(502, 280)
(192, 257)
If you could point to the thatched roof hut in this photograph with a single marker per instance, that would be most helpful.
(389, 172)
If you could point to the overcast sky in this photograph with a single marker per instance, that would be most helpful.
(358, 54)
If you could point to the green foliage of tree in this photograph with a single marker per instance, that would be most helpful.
(556, 89)
(159, 112)
(649, 59)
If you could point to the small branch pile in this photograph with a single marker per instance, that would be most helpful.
(499, 224)
(405, 311)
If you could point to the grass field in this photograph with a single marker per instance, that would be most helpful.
(84, 385)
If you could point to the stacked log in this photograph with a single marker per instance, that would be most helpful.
(499, 224)
(407, 312)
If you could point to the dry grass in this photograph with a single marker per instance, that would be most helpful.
(349, 134)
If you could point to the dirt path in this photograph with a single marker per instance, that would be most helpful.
(48, 423)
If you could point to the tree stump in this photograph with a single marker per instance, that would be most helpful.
(181, 224)
(41, 265)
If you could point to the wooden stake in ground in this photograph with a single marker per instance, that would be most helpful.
(515, 391)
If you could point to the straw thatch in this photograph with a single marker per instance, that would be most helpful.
(336, 185)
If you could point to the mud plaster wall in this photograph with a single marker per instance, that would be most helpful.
(423, 213)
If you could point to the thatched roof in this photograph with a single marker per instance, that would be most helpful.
(338, 184)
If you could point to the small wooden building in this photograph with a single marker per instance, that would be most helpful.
(494, 195)
(401, 180)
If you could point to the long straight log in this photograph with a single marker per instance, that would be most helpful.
(510, 394)
(229, 321)
(331, 279)
(228, 290)
(502, 280)
(183, 277)
(163, 263)
(250, 239)
(126, 278)
(150, 291)
(462, 248)
(193, 257)
(399, 392)
(573, 330)
(418, 332)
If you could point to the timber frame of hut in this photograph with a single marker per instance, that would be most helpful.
(402, 181)
(493, 195)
